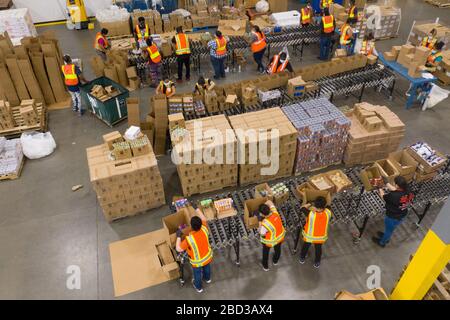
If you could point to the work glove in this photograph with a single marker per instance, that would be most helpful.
(179, 233)
(260, 217)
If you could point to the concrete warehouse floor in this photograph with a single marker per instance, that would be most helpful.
(45, 227)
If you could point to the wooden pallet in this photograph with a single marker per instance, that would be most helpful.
(440, 4)
(21, 127)
(16, 175)
(441, 287)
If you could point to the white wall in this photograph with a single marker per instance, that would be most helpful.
(53, 10)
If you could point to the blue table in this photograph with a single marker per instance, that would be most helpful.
(416, 83)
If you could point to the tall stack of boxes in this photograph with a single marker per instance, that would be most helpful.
(390, 18)
(161, 123)
(200, 176)
(323, 132)
(375, 132)
(128, 185)
(262, 123)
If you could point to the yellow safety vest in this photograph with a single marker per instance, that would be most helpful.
(182, 44)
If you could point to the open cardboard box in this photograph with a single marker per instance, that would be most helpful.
(226, 213)
(209, 211)
(387, 169)
(322, 182)
(370, 173)
(167, 260)
(172, 222)
(426, 168)
(403, 162)
(263, 187)
(250, 206)
(376, 294)
(279, 200)
(309, 195)
(342, 182)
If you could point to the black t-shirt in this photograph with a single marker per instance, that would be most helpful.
(397, 203)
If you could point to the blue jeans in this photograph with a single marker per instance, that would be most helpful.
(206, 271)
(219, 67)
(389, 226)
(325, 45)
(258, 56)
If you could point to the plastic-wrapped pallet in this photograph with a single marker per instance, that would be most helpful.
(11, 157)
(18, 24)
(115, 19)
(286, 19)
(323, 132)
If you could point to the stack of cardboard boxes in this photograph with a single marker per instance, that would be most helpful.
(28, 112)
(197, 173)
(17, 23)
(115, 67)
(159, 102)
(6, 116)
(203, 15)
(323, 132)
(133, 78)
(116, 20)
(125, 187)
(253, 131)
(375, 132)
(421, 30)
(296, 87)
(411, 57)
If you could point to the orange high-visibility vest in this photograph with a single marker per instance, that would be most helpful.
(306, 16)
(326, 3)
(167, 90)
(259, 44)
(274, 68)
(139, 32)
(427, 43)
(70, 76)
(367, 47)
(351, 12)
(221, 46)
(97, 44)
(316, 226)
(328, 24)
(345, 38)
(154, 53)
(199, 250)
(275, 230)
(434, 56)
(182, 44)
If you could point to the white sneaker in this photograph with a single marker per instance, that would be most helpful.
(302, 261)
(208, 281)
(317, 265)
(198, 290)
(275, 264)
(265, 269)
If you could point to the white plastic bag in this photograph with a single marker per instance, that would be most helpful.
(436, 95)
(37, 145)
(262, 6)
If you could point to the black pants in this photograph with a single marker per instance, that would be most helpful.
(258, 56)
(184, 59)
(317, 247)
(276, 256)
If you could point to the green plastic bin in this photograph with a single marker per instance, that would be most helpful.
(111, 111)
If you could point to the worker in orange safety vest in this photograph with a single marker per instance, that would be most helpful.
(315, 230)
(72, 78)
(154, 63)
(279, 63)
(142, 32)
(325, 4)
(430, 40)
(218, 53)
(307, 14)
(101, 44)
(258, 47)
(353, 12)
(272, 232)
(327, 27)
(368, 45)
(198, 248)
(346, 37)
(183, 53)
